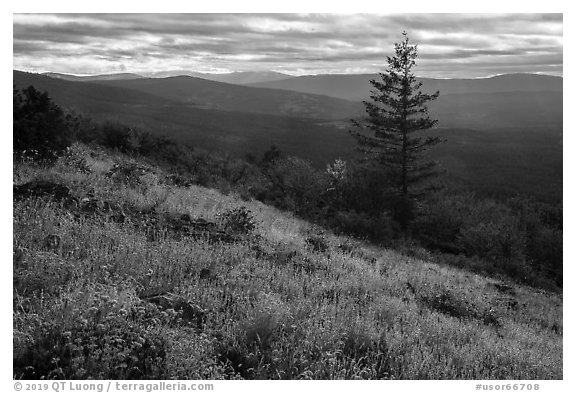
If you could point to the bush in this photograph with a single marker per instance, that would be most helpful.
(238, 221)
(127, 172)
(440, 221)
(318, 243)
(74, 159)
(117, 136)
(473, 226)
(498, 242)
(41, 129)
(296, 185)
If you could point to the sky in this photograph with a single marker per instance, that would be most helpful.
(449, 45)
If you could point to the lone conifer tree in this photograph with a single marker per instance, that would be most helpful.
(389, 133)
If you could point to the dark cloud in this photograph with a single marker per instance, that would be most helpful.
(293, 43)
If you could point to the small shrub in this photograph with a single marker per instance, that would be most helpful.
(116, 136)
(238, 221)
(452, 303)
(317, 243)
(129, 173)
(446, 303)
(413, 249)
(75, 161)
(346, 246)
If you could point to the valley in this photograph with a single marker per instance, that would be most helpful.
(507, 143)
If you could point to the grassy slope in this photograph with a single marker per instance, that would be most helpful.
(275, 308)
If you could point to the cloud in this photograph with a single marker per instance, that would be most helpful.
(460, 44)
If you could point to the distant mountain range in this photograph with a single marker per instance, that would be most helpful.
(239, 78)
(92, 78)
(503, 132)
(352, 87)
(357, 87)
(206, 94)
(232, 131)
(515, 100)
(501, 101)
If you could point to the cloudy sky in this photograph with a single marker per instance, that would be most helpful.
(450, 45)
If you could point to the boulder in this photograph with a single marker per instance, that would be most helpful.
(44, 188)
(192, 314)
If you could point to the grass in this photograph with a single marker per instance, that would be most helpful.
(285, 300)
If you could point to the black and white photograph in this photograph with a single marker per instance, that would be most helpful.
(286, 196)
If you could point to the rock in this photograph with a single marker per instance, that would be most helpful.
(191, 313)
(185, 218)
(410, 288)
(51, 242)
(43, 188)
(90, 205)
(202, 225)
(206, 274)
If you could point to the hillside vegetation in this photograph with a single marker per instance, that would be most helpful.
(122, 272)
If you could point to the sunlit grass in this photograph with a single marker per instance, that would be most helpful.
(275, 308)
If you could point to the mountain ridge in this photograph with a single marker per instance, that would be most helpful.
(238, 77)
(510, 135)
(209, 94)
(356, 87)
(89, 78)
